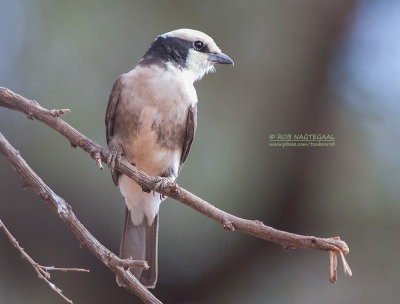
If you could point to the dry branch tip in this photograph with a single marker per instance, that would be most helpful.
(346, 267)
(332, 266)
(59, 112)
(96, 156)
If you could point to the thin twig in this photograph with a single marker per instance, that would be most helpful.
(40, 270)
(96, 156)
(50, 268)
(129, 263)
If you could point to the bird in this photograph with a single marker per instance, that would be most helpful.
(151, 119)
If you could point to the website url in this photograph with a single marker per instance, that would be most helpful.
(284, 140)
(284, 144)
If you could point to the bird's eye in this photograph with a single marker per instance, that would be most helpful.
(198, 45)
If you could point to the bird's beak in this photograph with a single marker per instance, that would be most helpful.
(220, 58)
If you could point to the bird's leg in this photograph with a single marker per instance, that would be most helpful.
(115, 156)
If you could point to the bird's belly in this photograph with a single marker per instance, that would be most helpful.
(150, 157)
(157, 147)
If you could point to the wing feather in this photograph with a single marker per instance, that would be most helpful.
(110, 116)
(191, 125)
(112, 105)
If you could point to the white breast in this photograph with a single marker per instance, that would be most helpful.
(158, 96)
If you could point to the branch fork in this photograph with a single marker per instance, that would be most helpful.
(85, 238)
(41, 271)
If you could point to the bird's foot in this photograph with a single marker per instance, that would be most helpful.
(114, 158)
(163, 182)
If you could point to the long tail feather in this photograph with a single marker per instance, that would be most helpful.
(140, 242)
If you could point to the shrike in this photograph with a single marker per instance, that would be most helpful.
(151, 120)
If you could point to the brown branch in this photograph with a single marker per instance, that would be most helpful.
(64, 211)
(42, 271)
(230, 222)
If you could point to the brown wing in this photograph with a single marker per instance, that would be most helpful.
(191, 125)
(112, 105)
(110, 116)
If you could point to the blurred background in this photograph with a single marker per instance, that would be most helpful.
(305, 66)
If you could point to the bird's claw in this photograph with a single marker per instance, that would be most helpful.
(164, 182)
(114, 158)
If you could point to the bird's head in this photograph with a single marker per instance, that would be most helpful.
(189, 50)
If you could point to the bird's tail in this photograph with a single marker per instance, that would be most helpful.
(140, 242)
